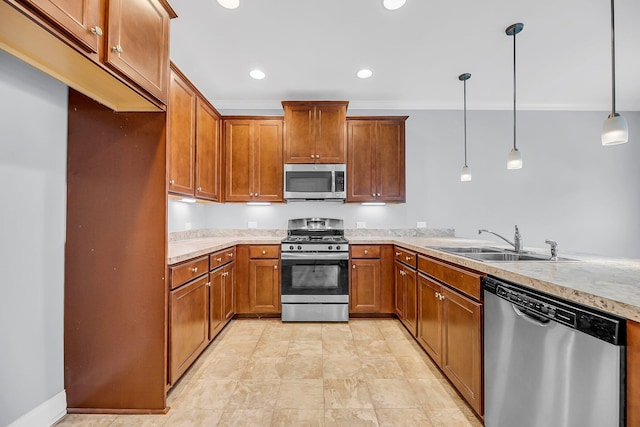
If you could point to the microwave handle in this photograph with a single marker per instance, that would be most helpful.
(333, 181)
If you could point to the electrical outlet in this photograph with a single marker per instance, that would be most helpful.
(422, 224)
(187, 226)
(361, 224)
(252, 224)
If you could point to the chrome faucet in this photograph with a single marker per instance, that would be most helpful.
(517, 238)
(554, 249)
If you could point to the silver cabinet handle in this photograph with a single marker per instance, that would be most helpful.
(230, 254)
(96, 31)
(209, 284)
(219, 259)
(397, 253)
(408, 258)
(117, 48)
(194, 270)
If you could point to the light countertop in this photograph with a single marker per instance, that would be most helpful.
(609, 284)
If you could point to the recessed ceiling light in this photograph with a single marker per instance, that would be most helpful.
(229, 4)
(364, 73)
(392, 4)
(257, 74)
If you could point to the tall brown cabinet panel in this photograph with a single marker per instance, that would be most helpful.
(181, 125)
(208, 173)
(253, 150)
(376, 159)
(115, 308)
(633, 373)
(315, 131)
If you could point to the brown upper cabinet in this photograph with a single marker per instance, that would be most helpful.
(376, 159)
(128, 37)
(315, 131)
(253, 152)
(193, 129)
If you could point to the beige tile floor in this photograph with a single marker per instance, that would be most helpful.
(369, 372)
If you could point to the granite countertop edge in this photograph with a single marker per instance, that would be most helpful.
(605, 283)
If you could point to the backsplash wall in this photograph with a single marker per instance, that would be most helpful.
(571, 188)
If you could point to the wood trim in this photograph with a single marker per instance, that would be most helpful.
(633, 373)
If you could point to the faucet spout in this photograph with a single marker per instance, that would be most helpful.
(517, 243)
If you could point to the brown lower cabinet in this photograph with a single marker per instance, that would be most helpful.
(450, 325)
(221, 301)
(258, 279)
(406, 294)
(188, 325)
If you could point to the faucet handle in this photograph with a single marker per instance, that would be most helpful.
(554, 249)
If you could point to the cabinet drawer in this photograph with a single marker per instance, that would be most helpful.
(264, 251)
(182, 273)
(405, 256)
(465, 281)
(219, 258)
(365, 251)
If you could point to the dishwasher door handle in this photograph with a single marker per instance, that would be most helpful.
(530, 316)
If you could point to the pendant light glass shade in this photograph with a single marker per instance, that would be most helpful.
(614, 129)
(229, 4)
(465, 175)
(393, 4)
(514, 160)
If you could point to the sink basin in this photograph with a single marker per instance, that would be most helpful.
(467, 250)
(484, 253)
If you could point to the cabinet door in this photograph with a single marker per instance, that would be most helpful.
(138, 43)
(188, 325)
(299, 133)
(267, 153)
(216, 301)
(633, 373)
(77, 18)
(365, 292)
(430, 318)
(208, 161)
(229, 291)
(331, 133)
(264, 286)
(399, 292)
(181, 114)
(410, 300)
(462, 353)
(238, 139)
(390, 161)
(361, 173)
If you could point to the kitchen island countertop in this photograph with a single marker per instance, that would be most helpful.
(609, 284)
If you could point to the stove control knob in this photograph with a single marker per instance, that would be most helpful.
(330, 247)
(291, 247)
(299, 247)
(337, 248)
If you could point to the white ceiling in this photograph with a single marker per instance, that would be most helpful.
(312, 49)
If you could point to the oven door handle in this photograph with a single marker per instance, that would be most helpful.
(320, 256)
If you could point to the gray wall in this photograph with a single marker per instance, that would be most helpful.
(33, 147)
(571, 188)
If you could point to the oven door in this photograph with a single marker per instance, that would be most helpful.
(315, 277)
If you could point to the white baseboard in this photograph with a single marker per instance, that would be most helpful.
(45, 414)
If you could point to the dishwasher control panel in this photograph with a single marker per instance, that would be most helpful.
(545, 307)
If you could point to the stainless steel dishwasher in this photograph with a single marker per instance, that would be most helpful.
(549, 362)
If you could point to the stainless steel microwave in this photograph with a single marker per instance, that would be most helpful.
(315, 182)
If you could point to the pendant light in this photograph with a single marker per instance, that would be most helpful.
(465, 175)
(229, 4)
(514, 161)
(614, 130)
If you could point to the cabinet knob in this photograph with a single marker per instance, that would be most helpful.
(312, 156)
(378, 194)
(194, 270)
(250, 194)
(172, 181)
(96, 31)
(397, 253)
(209, 284)
(275, 267)
(373, 194)
(219, 259)
(264, 252)
(117, 48)
(366, 251)
(199, 188)
(230, 254)
(408, 258)
(317, 156)
(353, 267)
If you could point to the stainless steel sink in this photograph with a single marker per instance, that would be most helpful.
(497, 255)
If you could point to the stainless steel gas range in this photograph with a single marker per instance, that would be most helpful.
(315, 271)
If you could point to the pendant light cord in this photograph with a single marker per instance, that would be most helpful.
(514, 91)
(465, 122)
(613, 63)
